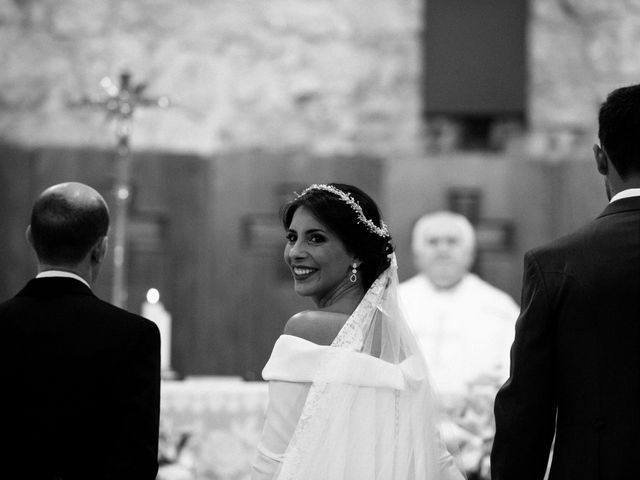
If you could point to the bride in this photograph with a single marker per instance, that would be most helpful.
(349, 393)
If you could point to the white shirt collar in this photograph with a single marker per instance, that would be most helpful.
(629, 192)
(61, 273)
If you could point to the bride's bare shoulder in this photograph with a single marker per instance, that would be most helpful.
(316, 326)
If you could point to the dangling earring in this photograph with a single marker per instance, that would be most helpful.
(353, 278)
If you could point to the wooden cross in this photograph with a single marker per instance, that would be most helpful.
(120, 104)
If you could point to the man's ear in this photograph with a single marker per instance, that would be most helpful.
(602, 160)
(28, 235)
(99, 251)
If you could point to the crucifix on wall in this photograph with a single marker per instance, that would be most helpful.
(120, 104)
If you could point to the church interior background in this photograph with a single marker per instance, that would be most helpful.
(486, 107)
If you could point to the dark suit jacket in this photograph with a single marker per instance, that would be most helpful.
(80, 383)
(576, 354)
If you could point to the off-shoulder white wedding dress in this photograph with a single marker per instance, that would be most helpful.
(361, 408)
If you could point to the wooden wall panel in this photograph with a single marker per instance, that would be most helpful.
(15, 208)
(543, 200)
(172, 192)
(417, 187)
(206, 231)
(253, 295)
(229, 296)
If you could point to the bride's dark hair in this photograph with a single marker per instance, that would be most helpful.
(338, 216)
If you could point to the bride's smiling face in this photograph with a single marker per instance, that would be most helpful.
(318, 259)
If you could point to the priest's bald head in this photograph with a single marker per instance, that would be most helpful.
(443, 245)
(68, 230)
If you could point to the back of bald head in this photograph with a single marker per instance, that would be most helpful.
(67, 221)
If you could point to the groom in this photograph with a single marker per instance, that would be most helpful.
(80, 378)
(575, 360)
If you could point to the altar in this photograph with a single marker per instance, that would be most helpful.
(209, 428)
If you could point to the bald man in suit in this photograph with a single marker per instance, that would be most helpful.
(80, 378)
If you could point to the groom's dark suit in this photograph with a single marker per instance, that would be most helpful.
(576, 354)
(80, 386)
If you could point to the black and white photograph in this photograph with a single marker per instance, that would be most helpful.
(319, 239)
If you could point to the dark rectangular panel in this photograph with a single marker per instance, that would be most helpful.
(474, 57)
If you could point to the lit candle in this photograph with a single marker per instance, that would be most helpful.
(154, 310)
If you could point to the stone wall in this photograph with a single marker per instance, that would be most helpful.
(324, 76)
(579, 50)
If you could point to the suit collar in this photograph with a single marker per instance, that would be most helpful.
(62, 273)
(53, 286)
(626, 193)
(622, 205)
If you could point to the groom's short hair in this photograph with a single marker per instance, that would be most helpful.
(619, 126)
(63, 233)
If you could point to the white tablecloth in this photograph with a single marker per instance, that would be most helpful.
(209, 428)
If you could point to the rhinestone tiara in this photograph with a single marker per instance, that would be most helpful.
(381, 230)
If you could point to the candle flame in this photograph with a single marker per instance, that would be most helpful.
(153, 295)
